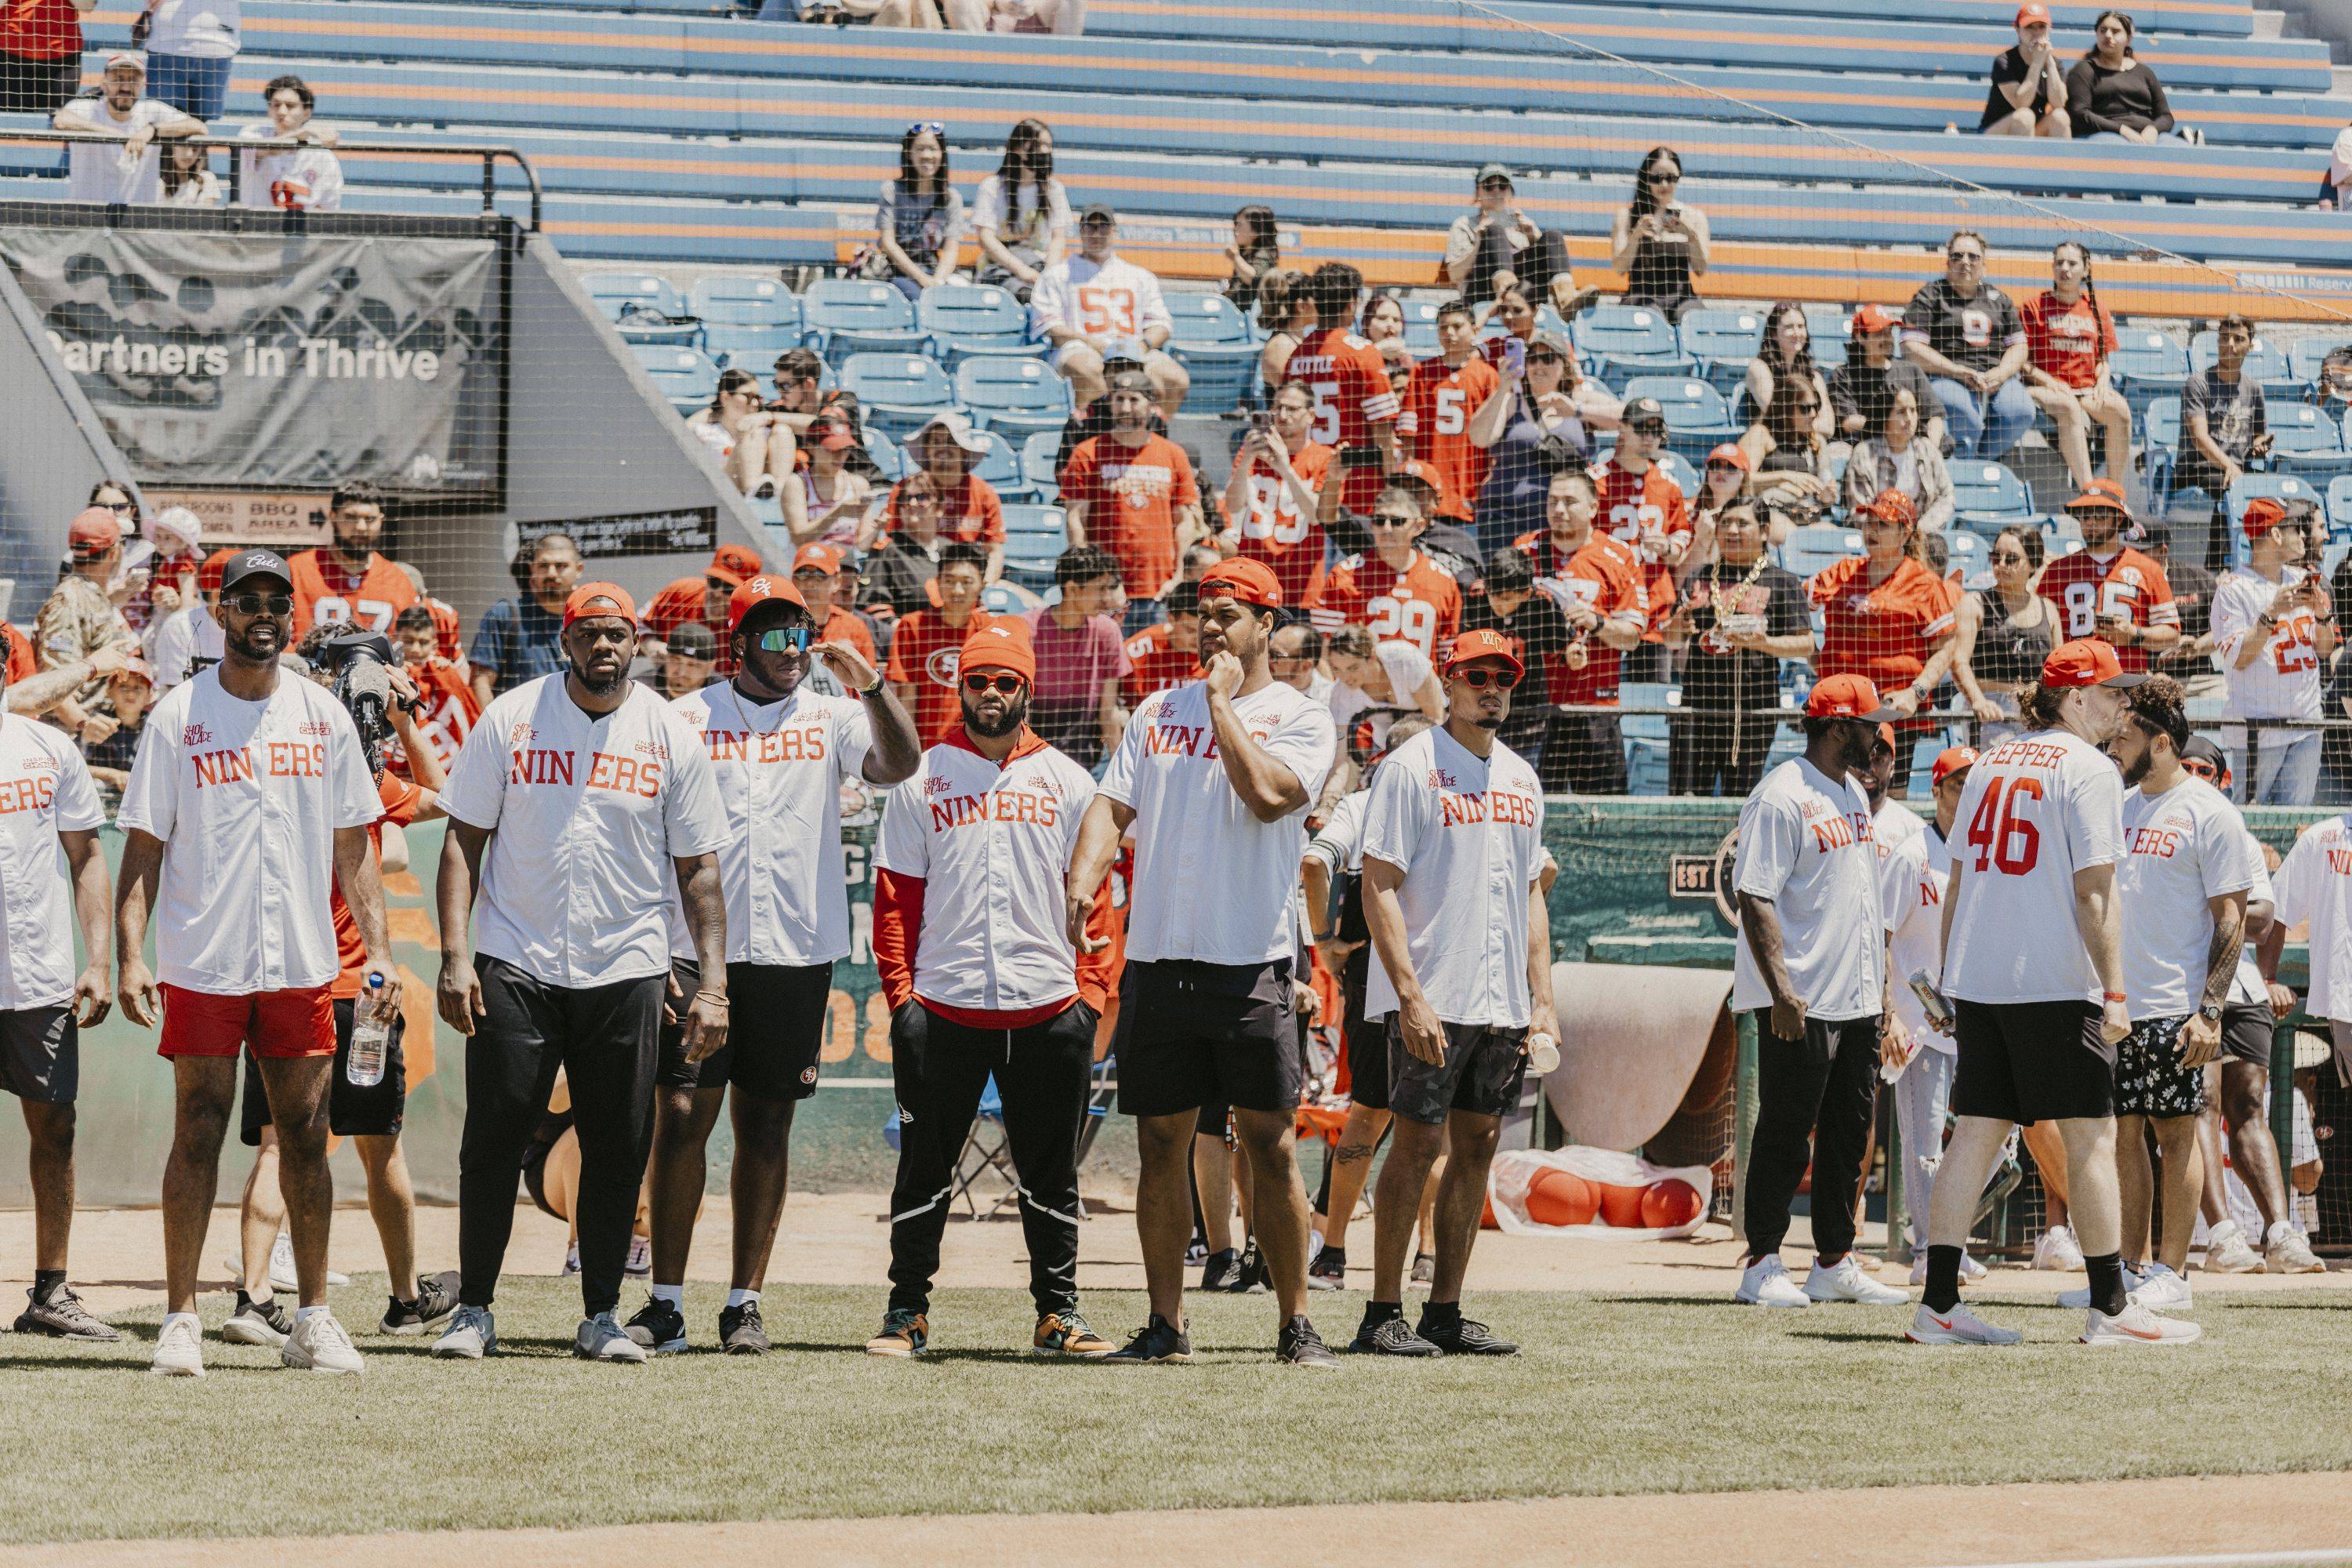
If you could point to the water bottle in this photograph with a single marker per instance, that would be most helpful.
(1931, 1001)
(1543, 1055)
(371, 1039)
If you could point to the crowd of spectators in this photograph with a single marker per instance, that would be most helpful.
(2106, 95)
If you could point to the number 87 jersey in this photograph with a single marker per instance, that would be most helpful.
(2037, 809)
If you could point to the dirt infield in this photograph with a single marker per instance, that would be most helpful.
(1923, 1527)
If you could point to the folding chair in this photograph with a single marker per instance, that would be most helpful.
(986, 1148)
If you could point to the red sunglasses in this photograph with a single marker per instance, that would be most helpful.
(1479, 679)
(976, 684)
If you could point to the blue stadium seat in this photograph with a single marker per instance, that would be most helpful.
(898, 392)
(1818, 546)
(888, 455)
(1644, 735)
(857, 317)
(1014, 395)
(2285, 487)
(963, 320)
(611, 291)
(1214, 343)
(1035, 538)
(1677, 468)
(1421, 326)
(2147, 365)
(2339, 504)
(1697, 418)
(751, 319)
(1037, 454)
(2266, 363)
(1968, 557)
(2307, 440)
(1001, 469)
(686, 376)
(1989, 496)
(1722, 342)
(2160, 449)
(1832, 327)
(2308, 353)
(1626, 340)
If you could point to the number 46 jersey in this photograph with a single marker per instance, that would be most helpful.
(2037, 809)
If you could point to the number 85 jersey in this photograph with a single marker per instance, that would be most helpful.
(2037, 809)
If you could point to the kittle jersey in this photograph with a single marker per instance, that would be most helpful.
(2183, 846)
(1805, 843)
(2314, 884)
(45, 790)
(778, 768)
(2085, 590)
(991, 845)
(1420, 604)
(1154, 664)
(588, 814)
(1436, 427)
(1647, 514)
(247, 798)
(325, 592)
(1467, 832)
(1350, 384)
(2037, 809)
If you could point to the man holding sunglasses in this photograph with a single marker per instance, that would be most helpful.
(584, 807)
(984, 979)
(780, 752)
(248, 805)
(1462, 974)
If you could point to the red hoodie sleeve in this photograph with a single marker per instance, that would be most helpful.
(897, 923)
(1098, 971)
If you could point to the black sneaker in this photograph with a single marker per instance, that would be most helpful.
(62, 1317)
(435, 1301)
(740, 1332)
(1300, 1345)
(1424, 1269)
(1152, 1344)
(1223, 1272)
(1256, 1278)
(256, 1323)
(1466, 1336)
(1328, 1271)
(1389, 1336)
(658, 1326)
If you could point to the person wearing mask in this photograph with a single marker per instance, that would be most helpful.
(922, 669)
(132, 173)
(1074, 700)
(1739, 618)
(2224, 426)
(2028, 95)
(2069, 337)
(2273, 629)
(919, 222)
(1862, 388)
(1968, 336)
(2004, 632)
(307, 178)
(1133, 493)
(521, 640)
(1495, 246)
(2111, 96)
(1021, 218)
(1659, 242)
(1900, 457)
(1275, 495)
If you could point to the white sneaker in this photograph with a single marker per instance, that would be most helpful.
(2227, 1251)
(281, 1266)
(2081, 1297)
(602, 1338)
(472, 1334)
(1766, 1283)
(2136, 1325)
(2162, 1290)
(1957, 1327)
(320, 1344)
(572, 1260)
(2057, 1251)
(2292, 1254)
(640, 1261)
(1970, 1270)
(1847, 1280)
(180, 1347)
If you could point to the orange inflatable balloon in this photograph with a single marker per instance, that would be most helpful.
(1562, 1197)
(1670, 1203)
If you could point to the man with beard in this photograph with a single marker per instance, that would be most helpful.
(779, 751)
(1462, 974)
(350, 581)
(2106, 589)
(248, 806)
(1811, 964)
(580, 806)
(1212, 779)
(982, 980)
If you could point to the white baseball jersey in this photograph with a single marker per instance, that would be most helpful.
(1805, 843)
(2183, 846)
(1112, 299)
(1212, 882)
(2284, 683)
(1913, 877)
(778, 769)
(1340, 844)
(309, 179)
(2248, 985)
(45, 790)
(991, 844)
(247, 798)
(2037, 809)
(1468, 833)
(589, 813)
(2314, 884)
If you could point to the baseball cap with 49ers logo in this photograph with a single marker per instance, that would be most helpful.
(760, 590)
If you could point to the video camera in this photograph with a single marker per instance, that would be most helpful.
(359, 668)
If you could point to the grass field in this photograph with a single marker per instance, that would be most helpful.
(1614, 1394)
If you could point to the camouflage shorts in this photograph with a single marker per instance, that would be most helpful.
(2149, 1078)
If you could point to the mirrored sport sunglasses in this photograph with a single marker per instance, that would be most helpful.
(1479, 679)
(1007, 683)
(932, 126)
(253, 604)
(784, 640)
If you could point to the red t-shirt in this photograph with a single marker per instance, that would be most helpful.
(401, 801)
(2067, 341)
(325, 591)
(840, 626)
(1273, 531)
(1605, 577)
(445, 630)
(1132, 495)
(39, 29)
(1436, 427)
(1647, 514)
(2086, 590)
(1886, 633)
(1154, 665)
(688, 600)
(924, 653)
(1420, 604)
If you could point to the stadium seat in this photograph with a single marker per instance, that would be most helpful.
(1627, 341)
(1214, 343)
(1037, 454)
(2160, 449)
(1007, 598)
(641, 323)
(1817, 546)
(1644, 736)
(855, 316)
(2339, 504)
(1001, 469)
(898, 392)
(2307, 355)
(1721, 342)
(686, 376)
(1987, 497)
(888, 455)
(750, 320)
(1013, 394)
(2147, 366)
(1421, 326)
(2307, 440)
(963, 320)
(1697, 419)
(2285, 487)
(611, 291)
(1034, 539)
(1678, 469)
(1831, 329)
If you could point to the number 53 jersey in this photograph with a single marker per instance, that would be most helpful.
(2037, 809)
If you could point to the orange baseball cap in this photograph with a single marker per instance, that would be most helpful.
(93, 531)
(1890, 506)
(818, 557)
(999, 645)
(2085, 661)
(731, 564)
(1875, 318)
(2032, 13)
(593, 599)
(2100, 495)
(1949, 760)
(1249, 581)
(1847, 697)
(1885, 736)
(208, 575)
(1485, 643)
(1421, 473)
(760, 589)
(1732, 452)
(2262, 514)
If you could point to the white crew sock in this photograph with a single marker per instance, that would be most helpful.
(674, 1294)
(741, 1297)
(301, 1314)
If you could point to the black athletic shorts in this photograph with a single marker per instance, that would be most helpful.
(1482, 1072)
(1368, 1043)
(40, 1054)
(2246, 1030)
(1193, 1033)
(550, 1130)
(376, 1111)
(2031, 1061)
(2149, 1078)
(775, 1025)
(1212, 1121)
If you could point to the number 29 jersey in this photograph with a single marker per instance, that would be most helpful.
(2037, 809)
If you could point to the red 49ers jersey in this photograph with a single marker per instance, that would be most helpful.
(1436, 427)
(325, 592)
(1420, 604)
(1350, 384)
(1646, 513)
(1274, 531)
(2085, 590)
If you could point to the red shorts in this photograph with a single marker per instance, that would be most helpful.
(296, 1022)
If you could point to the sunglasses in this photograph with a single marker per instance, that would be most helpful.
(930, 126)
(1543, 356)
(2010, 557)
(980, 684)
(253, 604)
(1479, 679)
(918, 497)
(1664, 177)
(1393, 520)
(783, 639)
(121, 506)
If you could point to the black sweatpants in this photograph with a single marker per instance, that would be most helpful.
(941, 1069)
(1718, 751)
(1583, 753)
(1535, 266)
(605, 1038)
(1822, 1089)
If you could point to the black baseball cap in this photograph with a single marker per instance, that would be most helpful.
(1645, 411)
(693, 640)
(1098, 212)
(1129, 381)
(248, 563)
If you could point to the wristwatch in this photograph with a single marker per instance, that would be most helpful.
(880, 681)
(2211, 1012)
